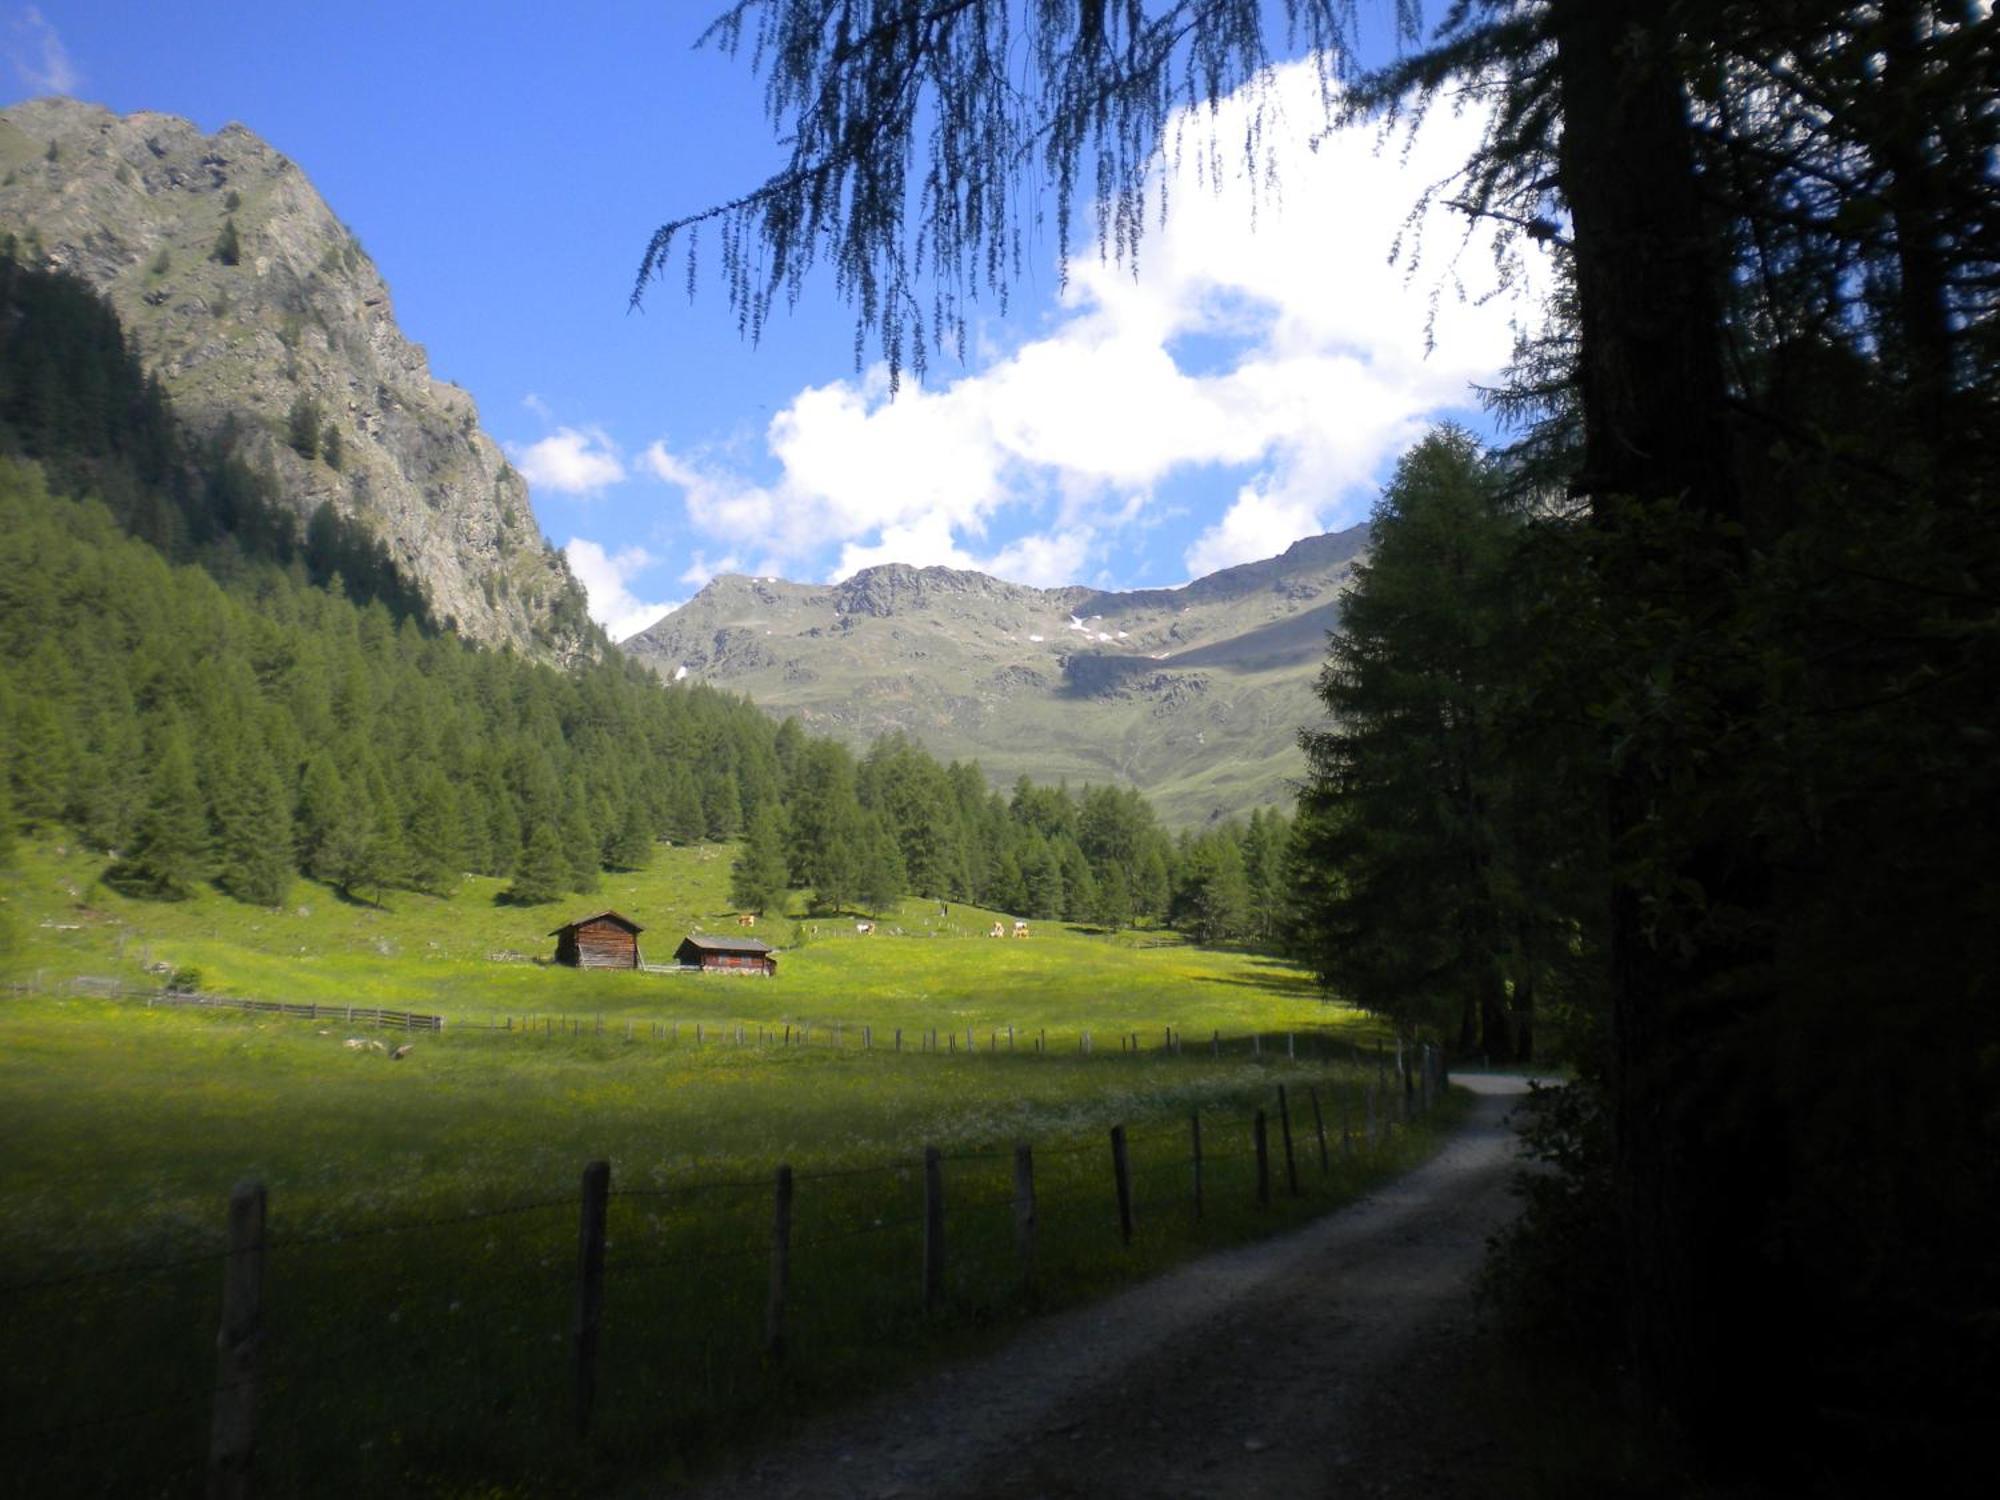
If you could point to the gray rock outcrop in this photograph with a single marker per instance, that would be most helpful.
(139, 205)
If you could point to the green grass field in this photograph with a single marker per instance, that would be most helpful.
(920, 970)
(418, 1338)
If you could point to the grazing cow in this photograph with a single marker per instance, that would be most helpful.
(1020, 929)
(747, 919)
(999, 930)
(402, 1052)
(864, 927)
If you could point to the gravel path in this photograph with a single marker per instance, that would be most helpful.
(1296, 1367)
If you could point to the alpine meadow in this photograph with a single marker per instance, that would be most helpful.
(1263, 761)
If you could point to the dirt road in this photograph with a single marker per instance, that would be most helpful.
(1294, 1368)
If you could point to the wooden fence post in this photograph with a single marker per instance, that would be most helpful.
(1285, 1126)
(1194, 1139)
(1372, 1089)
(781, 1263)
(1346, 1124)
(232, 1434)
(1262, 1133)
(933, 1229)
(1121, 1172)
(1319, 1127)
(1215, 1043)
(590, 1287)
(1024, 1211)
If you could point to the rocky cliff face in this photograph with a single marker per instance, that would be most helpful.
(1195, 695)
(151, 212)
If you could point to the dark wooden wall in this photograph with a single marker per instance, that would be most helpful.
(599, 945)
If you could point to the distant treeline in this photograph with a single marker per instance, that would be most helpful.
(180, 688)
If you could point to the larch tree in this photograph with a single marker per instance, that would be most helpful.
(1778, 229)
(170, 851)
(757, 878)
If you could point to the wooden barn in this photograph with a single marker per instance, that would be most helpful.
(728, 955)
(604, 941)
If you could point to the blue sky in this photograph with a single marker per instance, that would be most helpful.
(504, 168)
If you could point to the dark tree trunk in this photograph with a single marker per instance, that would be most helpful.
(1496, 1030)
(1524, 1004)
(1654, 409)
(1916, 202)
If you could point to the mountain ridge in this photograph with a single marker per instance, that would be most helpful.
(1193, 694)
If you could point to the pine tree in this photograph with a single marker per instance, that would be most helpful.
(1403, 785)
(632, 846)
(1079, 884)
(721, 804)
(434, 843)
(685, 821)
(255, 852)
(757, 878)
(228, 248)
(1212, 898)
(43, 754)
(302, 428)
(582, 849)
(169, 852)
(330, 448)
(1152, 888)
(544, 872)
(879, 876)
(1114, 901)
(383, 858)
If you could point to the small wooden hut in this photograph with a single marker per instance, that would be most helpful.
(729, 955)
(603, 941)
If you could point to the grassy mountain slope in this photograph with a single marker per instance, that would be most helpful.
(1195, 695)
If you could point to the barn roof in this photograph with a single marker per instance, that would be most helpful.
(728, 944)
(623, 921)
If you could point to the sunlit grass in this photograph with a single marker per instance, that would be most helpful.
(415, 1350)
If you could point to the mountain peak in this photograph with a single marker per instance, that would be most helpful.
(1194, 694)
(250, 300)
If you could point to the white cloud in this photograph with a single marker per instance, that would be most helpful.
(923, 543)
(570, 460)
(1313, 373)
(538, 406)
(698, 572)
(38, 56)
(605, 578)
(1042, 560)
